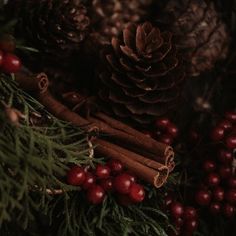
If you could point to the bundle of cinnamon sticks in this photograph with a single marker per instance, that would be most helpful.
(145, 157)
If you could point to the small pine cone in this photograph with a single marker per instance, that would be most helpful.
(199, 32)
(54, 27)
(142, 75)
(110, 17)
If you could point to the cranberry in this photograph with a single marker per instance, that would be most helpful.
(228, 210)
(115, 166)
(107, 184)
(103, 171)
(218, 194)
(225, 172)
(215, 208)
(122, 183)
(231, 196)
(172, 130)
(76, 176)
(203, 197)
(1, 58)
(176, 209)
(191, 225)
(217, 133)
(95, 194)
(231, 142)
(178, 222)
(231, 116)
(89, 180)
(11, 63)
(166, 138)
(232, 182)
(162, 123)
(213, 179)
(209, 166)
(190, 213)
(137, 193)
(225, 124)
(225, 156)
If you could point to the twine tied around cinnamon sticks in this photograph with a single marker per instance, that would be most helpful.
(145, 157)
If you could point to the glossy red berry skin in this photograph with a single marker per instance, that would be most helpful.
(122, 183)
(231, 142)
(215, 208)
(209, 166)
(10, 64)
(95, 194)
(225, 156)
(190, 213)
(166, 138)
(178, 222)
(1, 58)
(218, 194)
(107, 184)
(89, 181)
(172, 130)
(232, 182)
(191, 225)
(137, 193)
(203, 197)
(225, 172)
(103, 171)
(231, 196)
(231, 116)
(217, 134)
(76, 176)
(132, 177)
(162, 123)
(228, 210)
(213, 179)
(227, 125)
(176, 209)
(115, 166)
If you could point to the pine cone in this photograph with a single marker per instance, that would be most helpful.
(54, 27)
(142, 76)
(199, 32)
(110, 17)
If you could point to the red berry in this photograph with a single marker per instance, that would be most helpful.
(231, 116)
(178, 222)
(215, 208)
(132, 177)
(231, 142)
(232, 182)
(115, 166)
(203, 197)
(1, 58)
(172, 130)
(209, 166)
(166, 138)
(162, 123)
(95, 194)
(213, 179)
(122, 183)
(225, 156)
(190, 213)
(137, 193)
(231, 196)
(107, 184)
(218, 194)
(225, 172)
(225, 124)
(217, 133)
(89, 180)
(103, 171)
(176, 209)
(191, 225)
(11, 63)
(228, 210)
(76, 176)
(124, 200)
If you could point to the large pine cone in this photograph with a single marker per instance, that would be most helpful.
(54, 27)
(142, 76)
(110, 17)
(199, 32)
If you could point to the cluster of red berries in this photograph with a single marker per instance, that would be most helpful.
(9, 62)
(107, 178)
(218, 192)
(185, 218)
(165, 131)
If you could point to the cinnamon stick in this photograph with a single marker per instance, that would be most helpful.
(155, 174)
